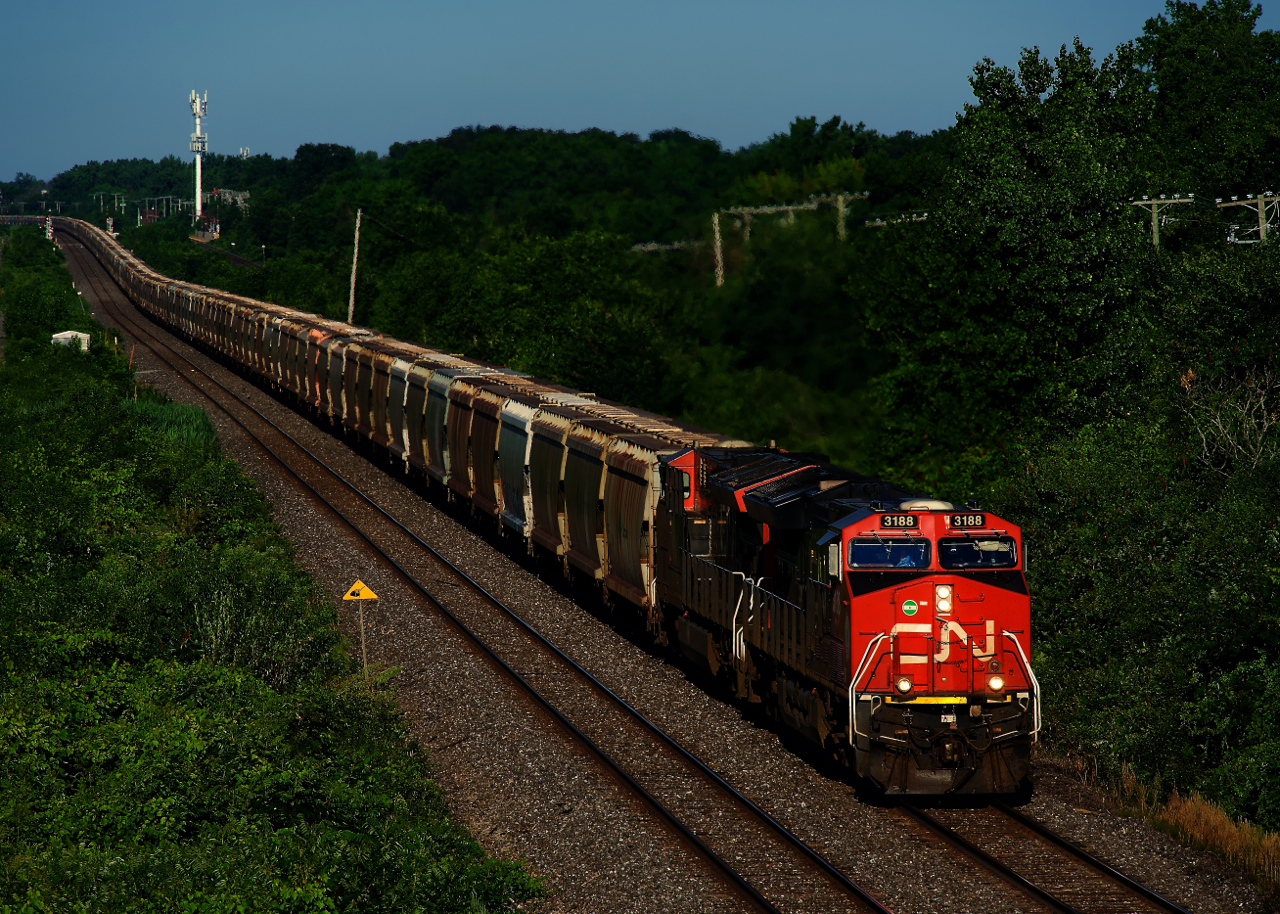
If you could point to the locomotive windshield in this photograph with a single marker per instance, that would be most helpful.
(889, 552)
(977, 552)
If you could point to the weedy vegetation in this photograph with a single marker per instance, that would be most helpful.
(181, 728)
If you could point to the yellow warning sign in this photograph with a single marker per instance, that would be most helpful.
(360, 591)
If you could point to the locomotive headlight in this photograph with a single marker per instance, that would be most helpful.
(944, 592)
(995, 683)
(944, 605)
(903, 684)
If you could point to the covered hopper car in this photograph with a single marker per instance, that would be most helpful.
(887, 627)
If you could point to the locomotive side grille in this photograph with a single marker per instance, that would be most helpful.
(835, 660)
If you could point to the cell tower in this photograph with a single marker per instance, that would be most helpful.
(199, 142)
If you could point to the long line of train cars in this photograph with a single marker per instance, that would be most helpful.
(891, 629)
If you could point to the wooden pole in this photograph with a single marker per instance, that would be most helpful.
(1260, 202)
(715, 234)
(355, 256)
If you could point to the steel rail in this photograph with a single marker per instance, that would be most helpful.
(1083, 855)
(991, 863)
(820, 862)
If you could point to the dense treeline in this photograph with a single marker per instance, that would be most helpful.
(181, 727)
(1119, 400)
(486, 230)
(1025, 343)
(24, 189)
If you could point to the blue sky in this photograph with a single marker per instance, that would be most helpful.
(111, 80)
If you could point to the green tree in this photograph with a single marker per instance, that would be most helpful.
(1216, 125)
(1028, 253)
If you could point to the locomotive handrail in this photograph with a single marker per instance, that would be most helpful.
(1031, 678)
(733, 626)
(781, 599)
(853, 691)
(703, 559)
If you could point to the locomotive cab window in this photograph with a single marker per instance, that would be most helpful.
(977, 552)
(889, 552)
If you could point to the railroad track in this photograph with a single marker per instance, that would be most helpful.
(758, 859)
(1052, 871)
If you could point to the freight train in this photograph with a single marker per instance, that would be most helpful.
(889, 628)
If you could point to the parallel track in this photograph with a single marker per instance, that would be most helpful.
(773, 870)
(1039, 863)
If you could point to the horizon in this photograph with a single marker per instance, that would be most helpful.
(395, 72)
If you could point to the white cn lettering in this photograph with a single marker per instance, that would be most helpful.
(951, 627)
(910, 628)
(990, 650)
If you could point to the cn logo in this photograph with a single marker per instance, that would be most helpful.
(947, 630)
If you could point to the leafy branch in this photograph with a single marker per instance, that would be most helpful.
(1232, 414)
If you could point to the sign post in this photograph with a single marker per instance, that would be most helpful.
(360, 591)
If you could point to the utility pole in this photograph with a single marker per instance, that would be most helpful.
(788, 211)
(1260, 204)
(715, 234)
(199, 142)
(355, 256)
(1155, 206)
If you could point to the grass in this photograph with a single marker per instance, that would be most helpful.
(1192, 820)
(1198, 822)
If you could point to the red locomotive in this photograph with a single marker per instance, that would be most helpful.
(891, 629)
